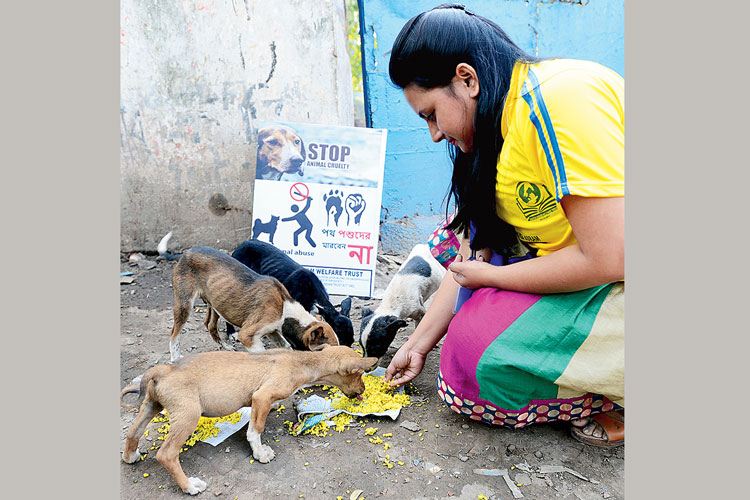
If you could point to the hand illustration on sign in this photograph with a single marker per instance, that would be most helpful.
(333, 206)
(355, 205)
(305, 226)
(269, 227)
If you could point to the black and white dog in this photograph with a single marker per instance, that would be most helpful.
(303, 285)
(415, 282)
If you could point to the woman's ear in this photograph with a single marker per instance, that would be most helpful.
(467, 76)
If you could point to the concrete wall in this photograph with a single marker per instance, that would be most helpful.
(417, 171)
(196, 76)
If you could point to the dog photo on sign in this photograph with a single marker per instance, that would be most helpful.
(280, 151)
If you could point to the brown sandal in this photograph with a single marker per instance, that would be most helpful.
(613, 424)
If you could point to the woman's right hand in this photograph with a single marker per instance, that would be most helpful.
(406, 364)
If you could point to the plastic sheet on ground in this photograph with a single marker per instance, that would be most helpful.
(315, 409)
(228, 428)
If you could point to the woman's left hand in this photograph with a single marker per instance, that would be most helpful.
(470, 273)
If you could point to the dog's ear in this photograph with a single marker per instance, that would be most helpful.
(302, 147)
(359, 365)
(263, 135)
(346, 306)
(366, 311)
(314, 338)
(367, 363)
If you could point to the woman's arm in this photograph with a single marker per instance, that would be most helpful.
(597, 259)
(409, 360)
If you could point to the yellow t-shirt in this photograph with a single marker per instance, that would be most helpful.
(563, 125)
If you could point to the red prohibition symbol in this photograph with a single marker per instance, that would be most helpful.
(299, 191)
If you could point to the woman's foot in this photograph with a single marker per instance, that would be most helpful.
(603, 429)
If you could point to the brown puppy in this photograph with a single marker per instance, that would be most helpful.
(257, 305)
(280, 151)
(218, 383)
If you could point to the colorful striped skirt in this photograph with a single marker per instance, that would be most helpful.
(513, 359)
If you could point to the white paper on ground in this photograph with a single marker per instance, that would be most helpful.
(227, 428)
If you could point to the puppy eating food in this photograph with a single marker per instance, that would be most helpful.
(415, 281)
(257, 305)
(218, 383)
(301, 283)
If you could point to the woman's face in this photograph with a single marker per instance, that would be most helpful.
(449, 116)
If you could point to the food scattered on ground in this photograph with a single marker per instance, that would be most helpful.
(206, 428)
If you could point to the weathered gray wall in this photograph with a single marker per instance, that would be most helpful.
(195, 79)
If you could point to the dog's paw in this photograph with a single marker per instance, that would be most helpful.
(195, 486)
(132, 458)
(264, 455)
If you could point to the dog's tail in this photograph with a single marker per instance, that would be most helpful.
(162, 248)
(143, 385)
(128, 390)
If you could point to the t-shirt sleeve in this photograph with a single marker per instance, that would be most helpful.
(579, 133)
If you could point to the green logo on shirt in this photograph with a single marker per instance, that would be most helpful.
(533, 202)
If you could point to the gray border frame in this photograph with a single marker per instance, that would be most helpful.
(687, 292)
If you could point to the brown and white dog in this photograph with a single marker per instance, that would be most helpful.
(218, 383)
(280, 151)
(257, 305)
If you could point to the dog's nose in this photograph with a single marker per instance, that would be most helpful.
(297, 165)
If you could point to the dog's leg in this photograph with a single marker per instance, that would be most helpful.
(212, 324)
(181, 315)
(148, 410)
(182, 423)
(184, 297)
(251, 334)
(260, 406)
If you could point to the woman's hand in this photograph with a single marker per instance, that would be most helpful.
(470, 273)
(405, 365)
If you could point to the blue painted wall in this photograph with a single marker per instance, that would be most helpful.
(417, 171)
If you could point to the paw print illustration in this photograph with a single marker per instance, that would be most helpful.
(334, 207)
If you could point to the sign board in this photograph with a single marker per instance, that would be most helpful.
(317, 198)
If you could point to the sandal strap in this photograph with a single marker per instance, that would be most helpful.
(614, 427)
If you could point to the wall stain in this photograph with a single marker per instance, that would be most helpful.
(219, 205)
(242, 57)
(247, 10)
(273, 61)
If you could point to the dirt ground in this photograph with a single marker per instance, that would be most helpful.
(439, 465)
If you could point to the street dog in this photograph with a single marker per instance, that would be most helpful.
(301, 283)
(280, 151)
(405, 296)
(257, 305)
(218, 383)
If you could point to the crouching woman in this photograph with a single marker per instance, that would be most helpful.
(538, 164)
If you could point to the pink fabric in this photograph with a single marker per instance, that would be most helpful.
(486, 313)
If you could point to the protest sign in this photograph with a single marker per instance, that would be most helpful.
(317, 198)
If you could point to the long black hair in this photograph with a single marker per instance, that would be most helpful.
(426, 53)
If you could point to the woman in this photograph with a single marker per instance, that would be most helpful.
(538, 159)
